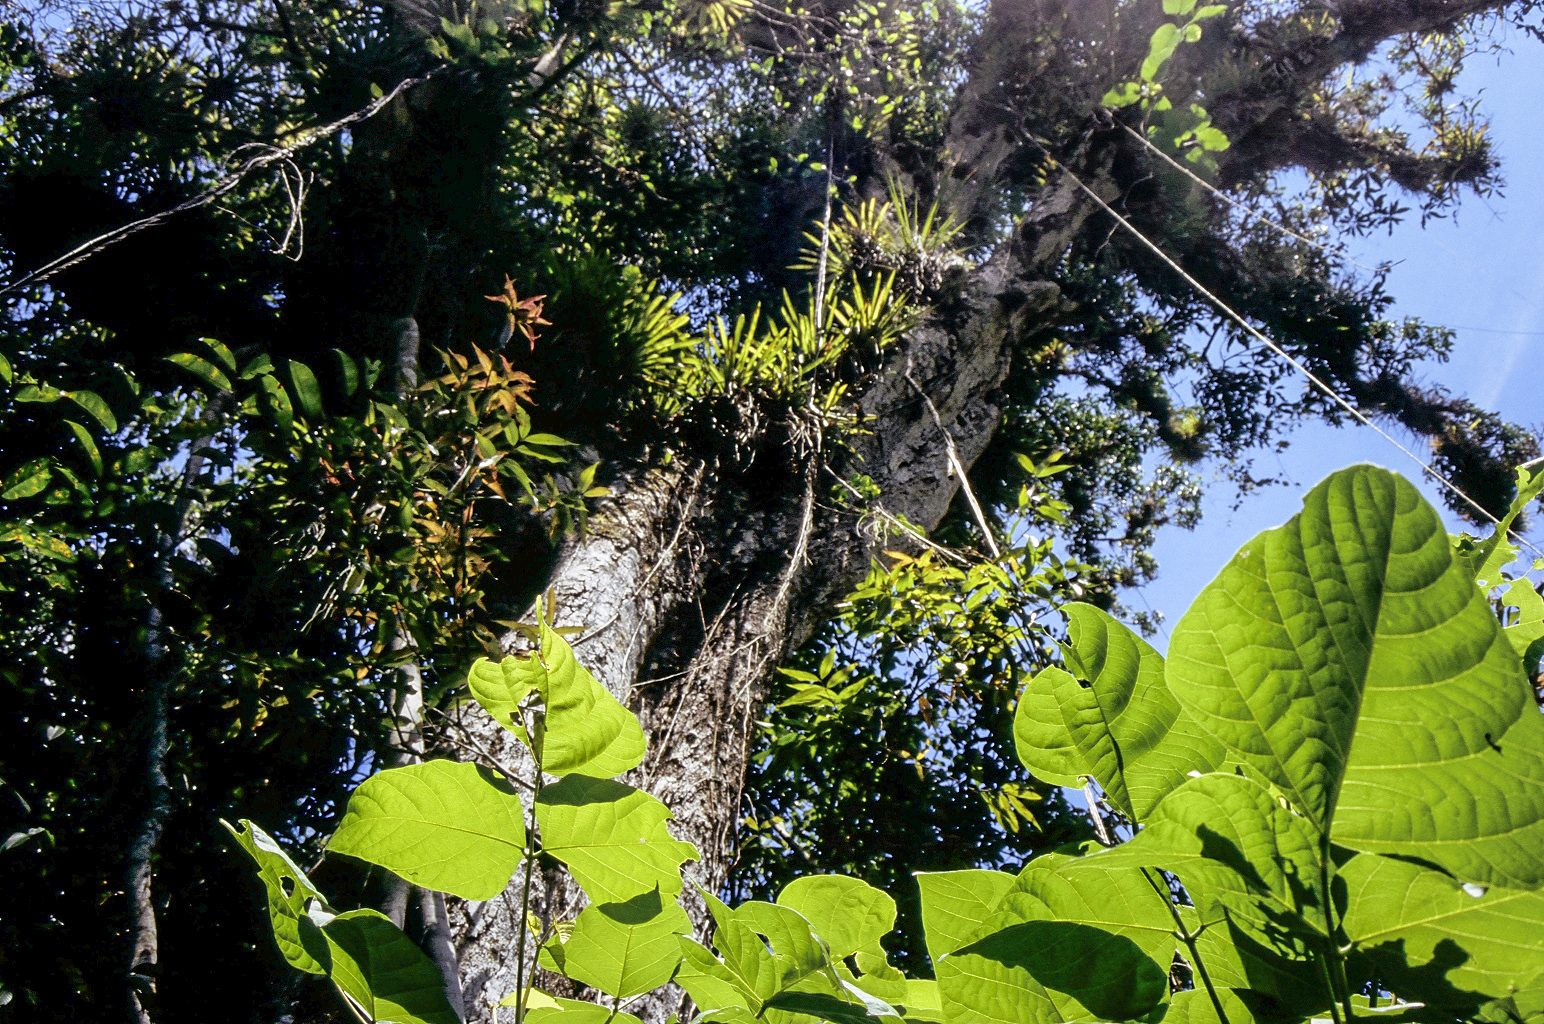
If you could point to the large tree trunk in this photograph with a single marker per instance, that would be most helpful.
(691, 586)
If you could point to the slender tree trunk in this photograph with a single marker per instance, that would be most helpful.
(407, 732)
(150, 740)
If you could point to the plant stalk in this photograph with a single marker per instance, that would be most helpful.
(1189, 940)
(1334, 967)
(521, 989)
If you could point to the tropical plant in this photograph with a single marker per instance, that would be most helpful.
(1286, 776)
(393, 179)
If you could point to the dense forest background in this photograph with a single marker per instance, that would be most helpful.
(797, 359)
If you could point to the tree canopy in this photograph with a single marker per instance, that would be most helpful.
(845, 338)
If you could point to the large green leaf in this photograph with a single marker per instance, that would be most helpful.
(612, 837)
(444, 825)
(990, 989)
(847, 913)
(768, 947)
(1525, 1006)
(1434, 939)
(1196, 1007)
(1278, 967)
(710, 983)
(626, 948)
(1231, 842)
(1355, 621)
(1092, 730)
(587, 730)
(381, 970)
(1157, 743)
(765, 950)
(955, 904)
(500, 686)
(576, 1011)
(290, 893)
(539, 1007)
(1040, 733)
(979, 978)
(1097, 939)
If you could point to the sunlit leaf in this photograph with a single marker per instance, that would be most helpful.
(444, 825)
(612, 837)
(290, 893)
(381, 970)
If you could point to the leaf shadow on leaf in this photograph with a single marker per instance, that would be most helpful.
(1219, 848)
(641, 909)
(1389, 965)
(584, 793)
(1280, 971)
(1108, 993)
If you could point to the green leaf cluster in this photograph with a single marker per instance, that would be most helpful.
(1331, 795)
(462, 829)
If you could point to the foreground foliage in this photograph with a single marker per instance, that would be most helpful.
(1332, 790)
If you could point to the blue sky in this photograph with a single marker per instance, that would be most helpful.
(1481, 272)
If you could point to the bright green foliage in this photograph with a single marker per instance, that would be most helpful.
(955, 903)
(1357, 618)
(585, 729)
(1241, 853)
(370, 960)
(623, 948)
(380, 970)
(443, 825)
(1126, 729)
(612, 837)
(290, 894)
(1185, 128)
(1235, 762)
(847, 912)
(1067, 940)
(1405, 919)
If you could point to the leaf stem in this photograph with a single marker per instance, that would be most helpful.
(1189, 940)
(522, 992)
(1334, 963)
